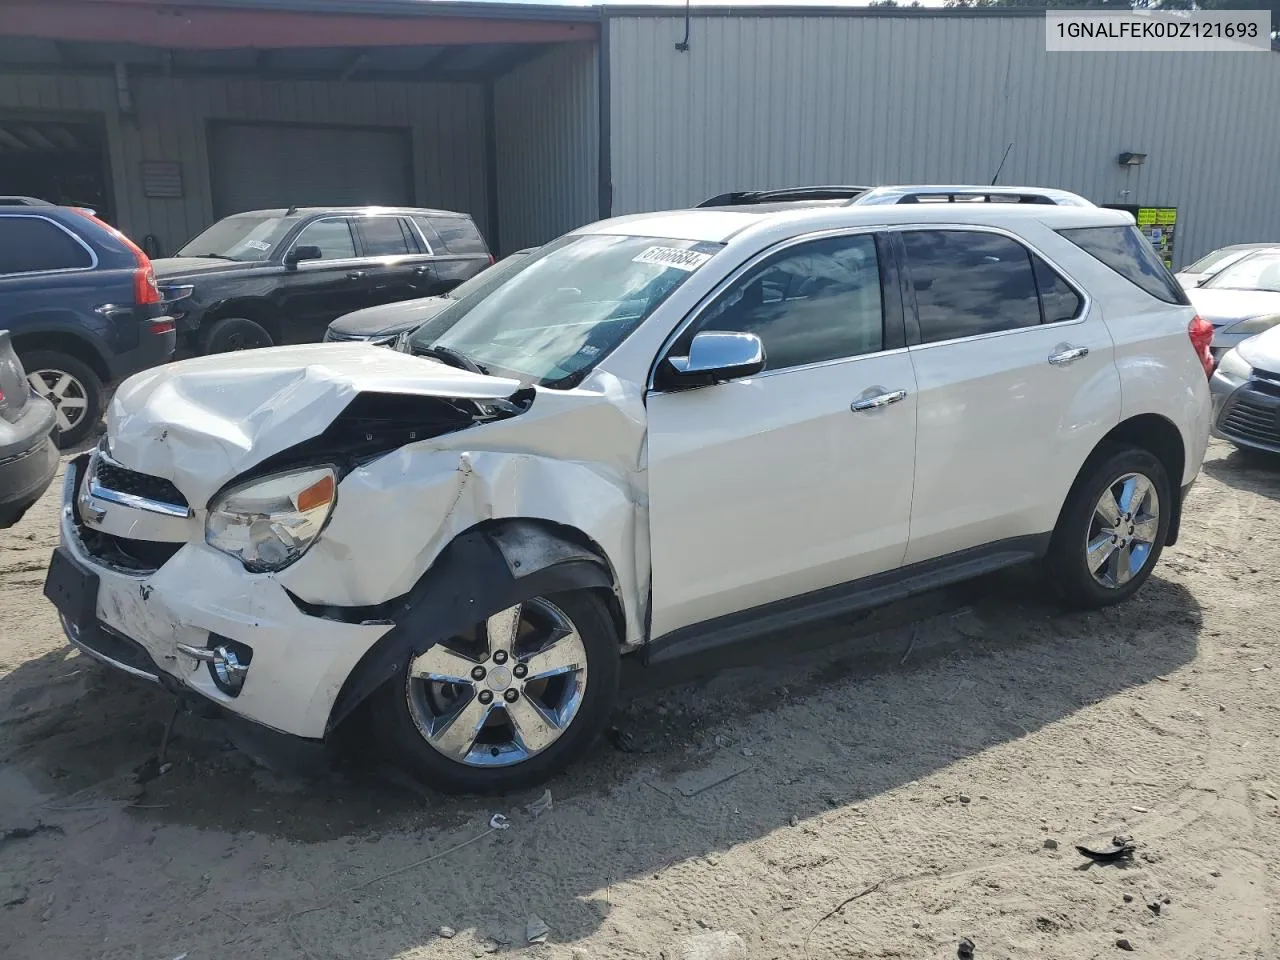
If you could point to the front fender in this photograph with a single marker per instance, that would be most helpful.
(484, 570)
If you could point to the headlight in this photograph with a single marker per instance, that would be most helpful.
(268, 524)
(1232, 366)
(1254, 325)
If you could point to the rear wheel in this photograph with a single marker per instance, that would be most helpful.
(235, 333)
(514, 701)
(1112, 529)
(71, 386)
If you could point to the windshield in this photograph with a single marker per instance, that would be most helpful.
(1215, 260)
(243, 238)
(1258, 272)
(490, 277)
(569, 305)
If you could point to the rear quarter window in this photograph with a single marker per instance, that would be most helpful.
(459, 235)
(33, 245)
(1126, 251)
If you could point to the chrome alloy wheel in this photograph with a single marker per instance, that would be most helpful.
(68, 395)
(504, 695)
(1123, 530)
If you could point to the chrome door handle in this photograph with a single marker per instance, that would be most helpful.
(1066, 356)
(875, 403)
(356, 275)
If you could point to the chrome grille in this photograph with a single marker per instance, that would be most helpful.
(112, 476)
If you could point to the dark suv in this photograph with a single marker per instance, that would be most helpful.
(81, 302)
(281, 276)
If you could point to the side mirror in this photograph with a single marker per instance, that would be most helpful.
(714, 357)
(298, 254)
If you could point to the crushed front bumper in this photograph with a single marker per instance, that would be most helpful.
(136, 621)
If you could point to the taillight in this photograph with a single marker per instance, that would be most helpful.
(145, 290)
(1200, 331)
(492, 261)
(161, 326)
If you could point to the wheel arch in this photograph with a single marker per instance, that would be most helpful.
(1160, 437)
(258, 310)
(71, 344)
(486, 568)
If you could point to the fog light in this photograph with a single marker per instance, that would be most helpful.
(228, 662)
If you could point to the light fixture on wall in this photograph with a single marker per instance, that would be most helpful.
(1132, 159)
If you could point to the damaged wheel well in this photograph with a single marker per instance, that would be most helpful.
(489, 567)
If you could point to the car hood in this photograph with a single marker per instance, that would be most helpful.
(1221, 307)
(389, 318)
(202, 422)
(1262, 351)
(169, 267)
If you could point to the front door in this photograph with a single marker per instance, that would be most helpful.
(1017, 384)
(792, 480)
(317, 292)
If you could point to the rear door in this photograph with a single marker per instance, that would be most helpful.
(398, 265)
(1017, 383)
(460, 251)
(319, 291)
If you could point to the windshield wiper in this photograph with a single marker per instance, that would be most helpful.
(452, 357)
(211, 256)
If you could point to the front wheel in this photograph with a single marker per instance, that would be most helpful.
(518, 698)
(235, 333)
(1112, 528)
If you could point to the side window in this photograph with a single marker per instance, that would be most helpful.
(31, 244)
(809, 303)
(333, 237)
(1126, 251)
(459, 235)
(968, 283)
(1059, 300)
(384, 237)
(434, 243)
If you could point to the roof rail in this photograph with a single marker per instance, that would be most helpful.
(969, 194)
(746, 197)
(25, 202)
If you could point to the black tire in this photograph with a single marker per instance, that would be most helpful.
(49, 367)
(408, 746)
(1068, 564)
(234, 333)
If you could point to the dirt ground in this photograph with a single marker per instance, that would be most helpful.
(929, 766)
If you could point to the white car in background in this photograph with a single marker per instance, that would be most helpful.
(665, 433)
(1242, 300)
(1246, 394)
(1217, 261)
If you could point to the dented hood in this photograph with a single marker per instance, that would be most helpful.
(202, 422)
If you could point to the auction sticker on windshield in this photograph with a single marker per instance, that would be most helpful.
(687, 260)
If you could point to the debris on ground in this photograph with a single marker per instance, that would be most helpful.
(539, 806)
(622, 740)
(25, 833)
(1051, 844)
(1154, 907)
(447, 933)
(1128, 898)
(1106, 849)
(1124, 944)
(716, 945)
(499, 822)
(18, 897)
(963, 798)
(536, 929)
(964, 950)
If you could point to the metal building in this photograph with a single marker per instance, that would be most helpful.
(535, 119)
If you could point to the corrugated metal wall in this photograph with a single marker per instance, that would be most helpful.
(548, 135)
(170, 123)
(763, 102)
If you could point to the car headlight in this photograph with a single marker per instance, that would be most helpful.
(1254, 324)
(1232, 366)
(269, 523)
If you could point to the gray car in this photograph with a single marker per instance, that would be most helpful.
(382, 324)
(1214, 263)
(1241, 301)
(1246, 393)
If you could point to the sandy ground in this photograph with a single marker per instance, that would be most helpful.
(922, 761)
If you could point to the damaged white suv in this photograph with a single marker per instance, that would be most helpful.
(663, 433)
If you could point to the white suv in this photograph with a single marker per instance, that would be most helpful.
(663, 433)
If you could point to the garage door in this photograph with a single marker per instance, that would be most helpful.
(256, 166)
